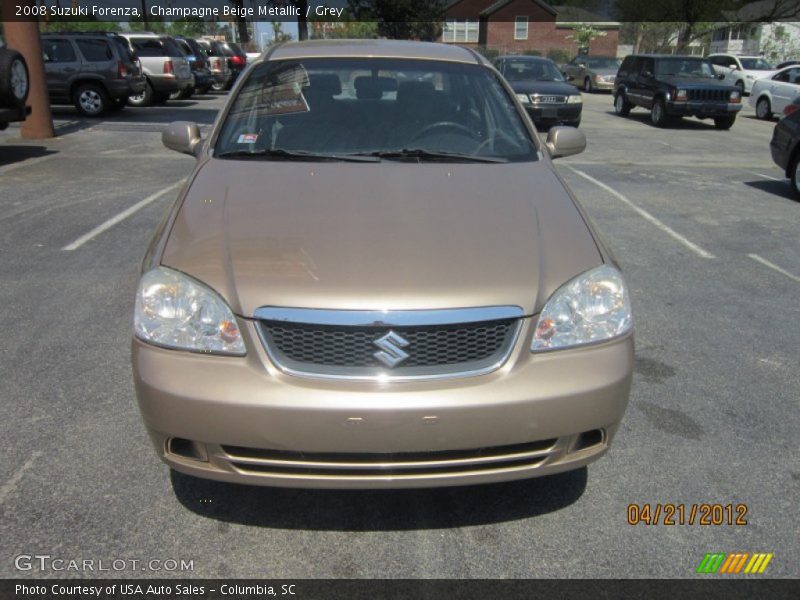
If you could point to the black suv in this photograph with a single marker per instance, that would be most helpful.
(675, 86)
(94, 71)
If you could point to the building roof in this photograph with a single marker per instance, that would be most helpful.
(493, 8)
(374, 49)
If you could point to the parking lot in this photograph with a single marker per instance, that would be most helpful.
(705, 229)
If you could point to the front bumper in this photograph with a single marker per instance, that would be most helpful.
(554, 113)
(603, 85)
(239, 419)
(703, 109)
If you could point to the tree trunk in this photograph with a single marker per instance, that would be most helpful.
(302, 20)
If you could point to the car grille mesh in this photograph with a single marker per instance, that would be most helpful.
(350, 350)
(547, 99)
(713, 95)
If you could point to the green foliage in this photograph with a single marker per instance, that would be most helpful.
(54, 24)
(402, 19)
(328, 30)
(558, 55)
(584, 34)
(780, 45)
(489, 53)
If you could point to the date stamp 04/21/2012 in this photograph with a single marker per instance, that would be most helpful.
(687, 514)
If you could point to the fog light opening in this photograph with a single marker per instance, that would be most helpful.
(184, 448)
(588, 439)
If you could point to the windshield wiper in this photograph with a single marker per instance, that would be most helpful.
(422, 154)
(282, 154)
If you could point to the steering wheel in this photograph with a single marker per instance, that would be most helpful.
(443, 125)
(497, 133)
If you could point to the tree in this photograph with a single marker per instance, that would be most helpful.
(402, 19)
(584, 35)
(780, 45)
(73, 24)
(278, 34)
(343, 30)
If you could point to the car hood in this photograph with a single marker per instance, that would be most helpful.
(543, 87)
(384, 235)
(697, 82)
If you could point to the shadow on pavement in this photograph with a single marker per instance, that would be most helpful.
(12, 153)
(676, 123)
(378, 510)
(165, 113)
(782, 189)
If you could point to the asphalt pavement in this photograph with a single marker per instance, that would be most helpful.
(705, 229)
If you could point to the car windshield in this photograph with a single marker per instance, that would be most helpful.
(684, 67)
(756, 64)
(603, 63)
(393, 109)
(531, 70)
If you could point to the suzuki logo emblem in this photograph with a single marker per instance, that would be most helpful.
(391, 349)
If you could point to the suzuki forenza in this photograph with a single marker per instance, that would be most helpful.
(374, 277)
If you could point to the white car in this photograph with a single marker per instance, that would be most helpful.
(741, 71)
(772, 94)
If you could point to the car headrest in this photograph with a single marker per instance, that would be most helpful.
(324, 84)
(373, 88)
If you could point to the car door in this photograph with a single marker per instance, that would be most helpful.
(61, 65)
(644, 81)
(572, 70)
(784, 87)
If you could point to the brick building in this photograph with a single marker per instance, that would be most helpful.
(517, 26)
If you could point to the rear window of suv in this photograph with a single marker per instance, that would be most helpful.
(172, 47)
(148, 47)
(95, 50)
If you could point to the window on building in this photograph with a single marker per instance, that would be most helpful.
(520, 28)
(463, 31)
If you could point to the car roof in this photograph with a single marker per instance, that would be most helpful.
(523, 57)
(678, 56)
(373, 49)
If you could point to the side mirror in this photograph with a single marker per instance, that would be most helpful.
(182, 136)
(565, 141)
(721, 76)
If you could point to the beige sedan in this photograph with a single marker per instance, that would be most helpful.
(375, 278)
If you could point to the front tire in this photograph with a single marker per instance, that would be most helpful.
(621, 105)
(587, 85)
(763, 109)
(91, 100)
(724, 122)
(15, 82)
(795, 171)
(658, 113)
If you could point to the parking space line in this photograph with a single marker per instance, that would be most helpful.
(762, 175)
(9, 486)
(120, 217)
(774, 267)
(646, 215)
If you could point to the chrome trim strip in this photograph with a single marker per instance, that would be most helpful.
(388, 318)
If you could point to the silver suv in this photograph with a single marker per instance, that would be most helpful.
(165, 66)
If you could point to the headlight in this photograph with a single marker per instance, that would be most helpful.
(593, 307)
(524, 98)
(681, 96)
(176, 311)
(735, 97)
(574, 99)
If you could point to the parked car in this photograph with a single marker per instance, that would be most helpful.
(592, 72)
(198, 61)
(785, 144)
(94, 71)
(218, 64)
(237, 60)
(773, 94)
(165, 66)
(14, 86)
(788, 63)
(675, 86)
(542, 90)
(387, 288)
(741, 71)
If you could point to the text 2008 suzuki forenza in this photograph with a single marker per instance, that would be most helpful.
(375, 278)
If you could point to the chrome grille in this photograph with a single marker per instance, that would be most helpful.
(350, 351)
(547, 99)
(710, 95)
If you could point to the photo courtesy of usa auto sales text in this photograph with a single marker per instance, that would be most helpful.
(126, 589)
